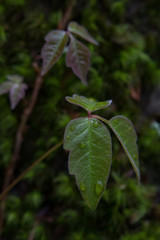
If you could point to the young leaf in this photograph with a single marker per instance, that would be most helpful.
(15, 87)
(17, 92)
(89, 104)
(53, 48)
(77, 29)
(5, 87)
(15, 78)
(89, 143)
(78, 58)
(124, 130)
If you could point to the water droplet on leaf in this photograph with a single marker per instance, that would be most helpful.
(82, 186)
(134, 156)
(68, 137)
(95, 124)
(99, 188)
(82, 145)
(72, 128)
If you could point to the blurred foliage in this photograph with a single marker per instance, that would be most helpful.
(125, 68)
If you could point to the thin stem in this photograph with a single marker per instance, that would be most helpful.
(3, 194)
(19, 139)
(21, 129)
(67, 15)
(101, 118)
(32, 233)
(25, 117)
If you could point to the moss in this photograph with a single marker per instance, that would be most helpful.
(126, 60)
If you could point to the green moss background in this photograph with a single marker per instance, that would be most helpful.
(46, 204)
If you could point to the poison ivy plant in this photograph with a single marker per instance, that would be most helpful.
(15, 87)
(78, 55)
(89, 143)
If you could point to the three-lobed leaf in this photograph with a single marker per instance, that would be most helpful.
(15, 87)
(124, 130)
(79, 30)
(78, 58)
(89, 104)
(89, 143)
(55, 42)
(78, 55)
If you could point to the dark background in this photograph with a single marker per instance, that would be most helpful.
(46, 204)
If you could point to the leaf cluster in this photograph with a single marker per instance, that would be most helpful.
(89, 143)
(78, 55)
(15, 87)
(126, 62)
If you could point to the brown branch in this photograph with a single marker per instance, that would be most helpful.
(25, 117)
(21, 129)
(33, 165)
(19, 139)
(62, 24)
(32, 233)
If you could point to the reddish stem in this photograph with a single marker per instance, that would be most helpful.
(19, 139)
(25, 117)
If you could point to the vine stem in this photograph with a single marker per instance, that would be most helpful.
(25, 117)
(22, 126)
(3, 194)
(62, 24)
(19, 139)
(101, 118)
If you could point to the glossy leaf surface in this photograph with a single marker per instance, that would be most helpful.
(88, 104)
(78, 58)
(77, 29)
(53, 48)
(124, 130)
(89, 143)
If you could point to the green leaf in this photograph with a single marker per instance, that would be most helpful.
(53, 48)
(89, 104)
(124, 130)
(78, 58)
(77, 29)
(89, 143)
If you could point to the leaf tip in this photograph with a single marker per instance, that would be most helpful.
(95, 43)
(84, 81)
(109, 102)
(13, 106)
(91, 207)
(67, 98)
(42, 72)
